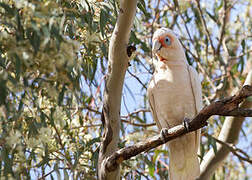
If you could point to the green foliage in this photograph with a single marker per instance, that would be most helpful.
(53, 59)
(45, 53)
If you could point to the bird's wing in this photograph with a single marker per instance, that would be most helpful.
(197, 92)
(152, 103)
(196, 87)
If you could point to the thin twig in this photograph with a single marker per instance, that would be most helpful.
(223, 27)
(87, 126)
(85, 107)
(143, 65)
(232, 148)
(242, 54)
(204, 25)
(155, 17)
(136, 112)
(137, 78)
(44, 176)
(163, 163)
(138, 124)
(140, 173)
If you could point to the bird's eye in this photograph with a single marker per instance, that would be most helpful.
(167, 40)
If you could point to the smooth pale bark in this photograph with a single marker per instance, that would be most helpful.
(230, 134)
(117, 65)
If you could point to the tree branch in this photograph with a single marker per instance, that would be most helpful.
(138, 124)
(223, 26)
(236, 151)
(137, 78)
(223, 107)
(135, 112)
(229, 133)
(240, 112)
(204, 25)
(117, 66)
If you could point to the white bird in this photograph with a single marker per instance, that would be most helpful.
(174, 94)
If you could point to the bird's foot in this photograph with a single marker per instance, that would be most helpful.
(164, 132)
(186, 123)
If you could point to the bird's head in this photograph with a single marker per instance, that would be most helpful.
(166, 46)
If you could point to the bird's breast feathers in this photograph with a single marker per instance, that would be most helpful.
(173, 94)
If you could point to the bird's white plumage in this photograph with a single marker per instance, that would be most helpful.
(174, 94)
(162, 31)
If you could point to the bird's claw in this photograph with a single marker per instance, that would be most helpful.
(186, 123)
(164, 133)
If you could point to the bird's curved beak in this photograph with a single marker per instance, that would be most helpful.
(156, 46)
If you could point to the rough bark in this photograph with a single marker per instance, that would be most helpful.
(229, 134)
(117, 65)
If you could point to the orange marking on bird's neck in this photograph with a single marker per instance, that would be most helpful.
(161, 58)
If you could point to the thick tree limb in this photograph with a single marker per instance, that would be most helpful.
(239, 112)
(117, 66)
(223, 107)
(229, 133)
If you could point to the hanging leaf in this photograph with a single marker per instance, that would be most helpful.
(212, 142)
(103, 17)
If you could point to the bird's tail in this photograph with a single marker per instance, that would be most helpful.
(184, 162)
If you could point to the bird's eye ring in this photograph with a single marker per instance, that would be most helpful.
(167, 40)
